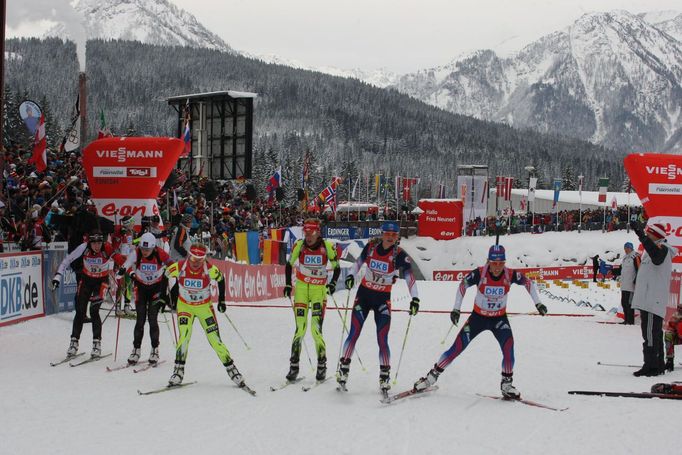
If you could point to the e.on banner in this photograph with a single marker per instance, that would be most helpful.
(125, 174)
(440, 219)
(250, 283)
(657, 179)
(578, 272)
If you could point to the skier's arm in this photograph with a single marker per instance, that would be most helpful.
(130, 260)
(179, 242)
(403, 262)
(75, 254)
(357, 265)
(216, 275)
(333, 260)
(472, 279)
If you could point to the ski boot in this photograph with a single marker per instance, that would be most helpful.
(293, 371)
(96, 349)
(429, 380)
(234, 374)
(384, 378)
(154, 356)
(134, 356)
(321, 369)
(344, 369)
(128, 310)
(73, 348)
(508, 390)
(177, 376)
(670, 364)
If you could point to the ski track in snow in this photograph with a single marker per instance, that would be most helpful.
(64, 410)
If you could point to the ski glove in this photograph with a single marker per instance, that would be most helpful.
(331, 287)
(542, 309)
(350, 282)
(637, 227)
(414, 306)
(454, 316)
(55, 284)
(287, 291)
(222, 307)
(121, 271)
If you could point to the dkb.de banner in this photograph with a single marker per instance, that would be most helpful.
(125, 174)
(21, 287)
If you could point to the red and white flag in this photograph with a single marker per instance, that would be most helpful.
(504, 187)
(39, 158)
(614, 203)
(407, 185)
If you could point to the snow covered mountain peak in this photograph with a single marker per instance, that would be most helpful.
(149, 21)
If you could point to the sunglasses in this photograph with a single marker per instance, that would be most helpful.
(391, 235)
(496, 263)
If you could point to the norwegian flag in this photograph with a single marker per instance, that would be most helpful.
(328, 195)
(407, 185)
(39, 157)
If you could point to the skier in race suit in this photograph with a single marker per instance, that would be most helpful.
(672, 334)
(97, 259)
(310, 256)
(383, 259)
(193, 289)
(492, 283)
(146, 266)
(123, 242)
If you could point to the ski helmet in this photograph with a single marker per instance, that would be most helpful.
(497, 253)
(390, 226)
(148, 241)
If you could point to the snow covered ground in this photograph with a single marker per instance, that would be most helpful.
(86, 410)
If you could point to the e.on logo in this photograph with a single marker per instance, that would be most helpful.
(447, 275)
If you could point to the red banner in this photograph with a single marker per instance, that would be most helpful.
(250, 283)
(577, 272)
(125, 174)
(657, 179)
(440, 219)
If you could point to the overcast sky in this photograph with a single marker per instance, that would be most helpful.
(400, 35)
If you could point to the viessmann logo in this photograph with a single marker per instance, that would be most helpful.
(122, 154)
(671, 171)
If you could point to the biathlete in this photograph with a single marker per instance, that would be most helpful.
(193, 290)
(310, 256)
(492, 283)
(383, 259)
(146, 265)
(98, 259)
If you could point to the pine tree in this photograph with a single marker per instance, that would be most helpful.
(568, 179)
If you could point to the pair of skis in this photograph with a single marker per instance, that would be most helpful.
(145, 365)
(82, 362)
(304, 387)
(169, 387)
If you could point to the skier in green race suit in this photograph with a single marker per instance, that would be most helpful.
(193, 290)
(310, 256)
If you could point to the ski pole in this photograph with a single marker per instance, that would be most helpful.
(165, 321)
(452, 326)
(110, 309)
(397, 370)
(345, 330)
(118, 327)
(305, 345)
(345, 317)
(237, 331)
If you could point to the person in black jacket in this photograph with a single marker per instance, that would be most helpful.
(595, 267)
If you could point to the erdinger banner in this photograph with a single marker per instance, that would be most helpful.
(657, 180)
(440, 219)
(125, 174)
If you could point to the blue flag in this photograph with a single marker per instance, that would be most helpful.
(557, 190)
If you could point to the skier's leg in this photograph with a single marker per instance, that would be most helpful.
(185, 322)
(360, 311)
(382, 318)
(152, 316)
(207, 318)
(503, 333)
(318, 306)
(474, 325)
(82, 298)
(301, 299)
(141, 299)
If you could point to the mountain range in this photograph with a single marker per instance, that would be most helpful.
(614, 78)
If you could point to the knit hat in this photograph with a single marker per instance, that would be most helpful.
(657, 231)
(629, 245)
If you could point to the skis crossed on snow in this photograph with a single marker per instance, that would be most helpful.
(166, 388)
(143, 366)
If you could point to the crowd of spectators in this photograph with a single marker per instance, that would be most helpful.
(565, 220)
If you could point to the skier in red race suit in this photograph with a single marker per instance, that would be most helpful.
(383, 260)
(146, 265)
(492, 283)
(98, 260)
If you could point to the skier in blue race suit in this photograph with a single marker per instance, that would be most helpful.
(490, 313)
